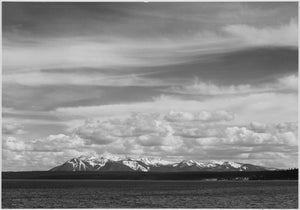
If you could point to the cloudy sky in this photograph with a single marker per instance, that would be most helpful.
(204, 81)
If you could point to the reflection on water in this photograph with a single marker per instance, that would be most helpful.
(148, 194)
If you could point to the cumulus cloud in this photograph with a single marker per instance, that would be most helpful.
(199, 87)
(277, 127)
(12, 128)
(252, 135)
(146, 129)
(174, 116)
(258, 127)
(284, 35)
(57, 142)
(259, 107)
(202, 131)
(209, 88)
(242, 135)
(200, 135)
(289, 82)
(13, 144)
(96, 132)
(51, 143)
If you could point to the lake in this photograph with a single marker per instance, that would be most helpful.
(148, 194)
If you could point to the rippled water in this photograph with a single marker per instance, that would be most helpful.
(148, 194)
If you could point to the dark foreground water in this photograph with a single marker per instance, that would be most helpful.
(148, 194)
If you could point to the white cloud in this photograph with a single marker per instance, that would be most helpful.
(220, 134)
(222, 115)
(13, 144)
(96, 132)
(258, 127)
(201, 132)
(242, 135)
(12, 128)
(289, 82)
(37, 160)
(155, 135)
(146, 130)
(278, 127)
(198, 87)
(113, 53)
(285, 35)
(208, 88)
(51, 143)
(34, 77)
(56, 143)
(259, 107)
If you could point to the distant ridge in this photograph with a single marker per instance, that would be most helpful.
(146, 164)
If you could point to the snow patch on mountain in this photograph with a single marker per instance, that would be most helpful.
(154, 161)
(134, 165)
(233, 164)
(77, 164)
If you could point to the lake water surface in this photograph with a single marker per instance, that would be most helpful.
(148, 194)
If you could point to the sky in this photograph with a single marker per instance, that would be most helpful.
(198, 80)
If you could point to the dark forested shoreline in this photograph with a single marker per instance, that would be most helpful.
(291, 174)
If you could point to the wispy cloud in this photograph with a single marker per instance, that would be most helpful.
(286, 83)
(262, 110)
(285, 35)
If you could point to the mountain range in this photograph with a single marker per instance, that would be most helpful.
(149, 164)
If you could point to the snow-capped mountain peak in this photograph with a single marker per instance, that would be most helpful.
(110, 162)
(135, 165)
(154, 161)
(233, 164)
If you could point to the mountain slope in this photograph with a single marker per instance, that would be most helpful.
(145, 164)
